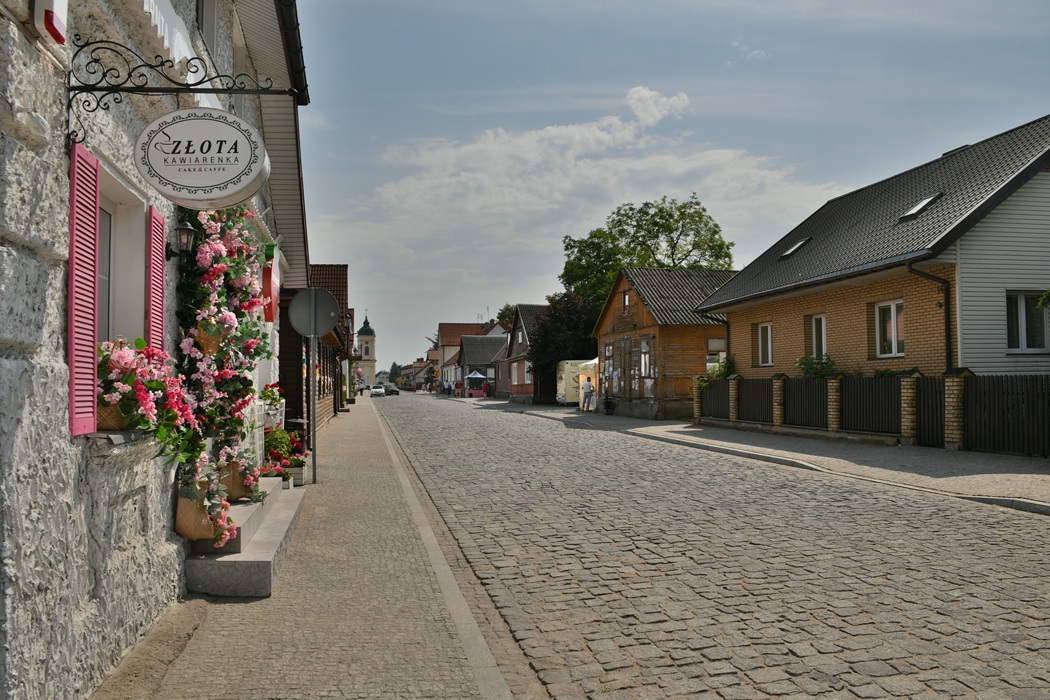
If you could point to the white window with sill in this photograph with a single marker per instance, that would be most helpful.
(889, 329)
(1026, 323)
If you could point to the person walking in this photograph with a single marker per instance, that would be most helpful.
(588, 394)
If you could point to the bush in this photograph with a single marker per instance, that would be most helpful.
(810, 367)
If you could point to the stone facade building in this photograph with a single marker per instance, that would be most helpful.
(89, 558)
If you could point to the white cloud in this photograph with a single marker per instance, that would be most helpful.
(477, 223)
(651, 107)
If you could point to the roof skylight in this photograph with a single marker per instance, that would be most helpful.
(794, 247)
(918, 208)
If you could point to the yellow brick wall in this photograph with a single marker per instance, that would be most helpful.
(847, 326)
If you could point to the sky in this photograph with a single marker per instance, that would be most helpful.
(449, 146)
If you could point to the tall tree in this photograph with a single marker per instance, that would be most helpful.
(506, 314)
(563, 332)
(395, 371)
(665, 233)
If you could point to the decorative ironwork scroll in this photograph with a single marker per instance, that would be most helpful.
(104, 71)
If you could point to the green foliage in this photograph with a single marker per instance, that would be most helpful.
(885, 373)
(563, 332)
(666, 233)
(811, 367)
(725, 369)
(395, 371)
(277, 440)
(506, 314)
(433, 340)
(1044, 301)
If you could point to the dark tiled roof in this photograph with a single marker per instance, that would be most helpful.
(671, 294)
(477, 350)
(334, 279)
(529, 314)
(864, 231)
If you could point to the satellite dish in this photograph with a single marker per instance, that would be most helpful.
(313, 312)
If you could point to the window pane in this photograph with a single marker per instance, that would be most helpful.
(105, 265)
(1013, 331)
(1035, 324)
(884, 327)
(818, 337)
(899, 309)
(765, 349)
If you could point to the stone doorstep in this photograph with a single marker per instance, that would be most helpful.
(248, 517)
(251, 572)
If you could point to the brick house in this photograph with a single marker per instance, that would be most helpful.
(448, 347)
(651, 343)
(935, 268)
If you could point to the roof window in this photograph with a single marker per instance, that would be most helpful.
(920, 207)
(793, 248)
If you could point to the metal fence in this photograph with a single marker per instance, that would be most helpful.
(806, 402)
(756, 400)
(871, 404)
(714, 400)
(1007, 414)
(929, 411)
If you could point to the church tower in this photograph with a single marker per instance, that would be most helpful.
(366, 340)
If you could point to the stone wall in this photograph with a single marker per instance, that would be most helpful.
(89, 560)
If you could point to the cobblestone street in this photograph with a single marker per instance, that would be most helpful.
(629, 568)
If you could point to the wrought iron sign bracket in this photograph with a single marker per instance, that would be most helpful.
(104, 71)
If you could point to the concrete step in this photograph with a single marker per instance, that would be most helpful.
(250, 573)
(248, 517)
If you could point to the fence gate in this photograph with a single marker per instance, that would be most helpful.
(756, 400)
(871, 404)
(714, 401)
(929, 411)
(1007, 414)
(806, 402)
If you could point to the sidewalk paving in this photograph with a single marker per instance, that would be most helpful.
(365, 604)
(1010, 481)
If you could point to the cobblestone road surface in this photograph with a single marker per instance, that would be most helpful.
(628, 568)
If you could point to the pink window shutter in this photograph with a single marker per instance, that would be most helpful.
(83, 290)
(155, 280)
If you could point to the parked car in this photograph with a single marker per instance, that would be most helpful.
(392, 390)
(377, 390)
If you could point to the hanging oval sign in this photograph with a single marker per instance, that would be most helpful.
(202, 158)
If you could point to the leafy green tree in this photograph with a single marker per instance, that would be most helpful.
(563, 332)
(506, 314)
(433, 339)
(395, 371)
(665, 233)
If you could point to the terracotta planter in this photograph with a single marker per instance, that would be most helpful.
(233, 480)
(208, 342)
(110, 418)
(191, 515)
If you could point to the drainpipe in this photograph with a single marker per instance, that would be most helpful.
(945, 287)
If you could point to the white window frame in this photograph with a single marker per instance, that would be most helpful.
(896, 340)
(820, 336)
(1021, 319)
(128, 255)
(626, 302)
(765, 345)
(514, 373)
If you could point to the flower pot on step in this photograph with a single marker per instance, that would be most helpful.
(191, 515)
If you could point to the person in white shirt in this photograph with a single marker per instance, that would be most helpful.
(588, 392)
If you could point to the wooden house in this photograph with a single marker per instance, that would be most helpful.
(650, 342)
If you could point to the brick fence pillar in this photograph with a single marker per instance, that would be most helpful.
(954, 390)
(909, 408)
(734, 398)
(696, 401)
(835, 404)
(778, 398)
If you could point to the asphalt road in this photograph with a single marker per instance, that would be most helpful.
(629, 568)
